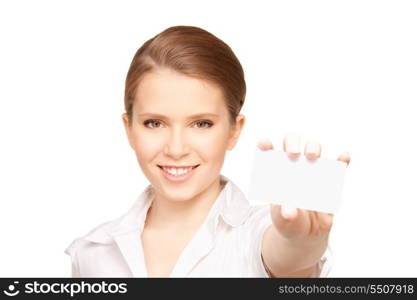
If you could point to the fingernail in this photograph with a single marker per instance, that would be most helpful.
(293, 143)
(264, 144)
(312, 147)
(288, 212)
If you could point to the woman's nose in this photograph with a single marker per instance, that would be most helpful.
(176, 146)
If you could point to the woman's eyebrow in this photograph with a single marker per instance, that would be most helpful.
(195, 116)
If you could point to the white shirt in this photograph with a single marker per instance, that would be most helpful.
(228, 244)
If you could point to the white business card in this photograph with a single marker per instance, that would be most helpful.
(309, 184)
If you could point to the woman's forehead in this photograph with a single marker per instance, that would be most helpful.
(164, 92)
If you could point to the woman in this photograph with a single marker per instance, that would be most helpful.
(184, 91)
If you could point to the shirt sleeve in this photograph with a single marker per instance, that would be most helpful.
(325, 264)
(71, 251)
(256, 225)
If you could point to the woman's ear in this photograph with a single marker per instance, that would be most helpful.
(128, 129)
(235, 131)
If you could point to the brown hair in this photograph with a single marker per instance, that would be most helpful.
(191, 51)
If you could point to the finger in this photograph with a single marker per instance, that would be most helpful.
(265, 145)
(325, 220)
(312, 149)
(345, 157)
(288, 213)
(290, 221)
(292, 145)
(283, 214)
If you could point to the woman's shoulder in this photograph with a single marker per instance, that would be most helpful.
(104, 233)
(98, 235)
(85, 250)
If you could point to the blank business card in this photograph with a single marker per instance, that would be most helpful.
(314, 185)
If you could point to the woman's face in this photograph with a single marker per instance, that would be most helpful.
(180, 121)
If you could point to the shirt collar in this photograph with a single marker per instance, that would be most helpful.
(231, 205)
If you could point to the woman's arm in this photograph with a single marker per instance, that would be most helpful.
(284, 258)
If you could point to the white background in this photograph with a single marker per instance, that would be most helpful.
(341, 72)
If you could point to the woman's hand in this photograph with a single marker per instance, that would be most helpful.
(297, 227)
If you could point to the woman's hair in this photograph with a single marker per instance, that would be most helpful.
(194, 52)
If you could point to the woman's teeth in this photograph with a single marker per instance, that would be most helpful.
(177, 171)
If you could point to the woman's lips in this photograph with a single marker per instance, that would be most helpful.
(178, 178)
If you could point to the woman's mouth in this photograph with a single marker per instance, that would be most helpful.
(177, 174)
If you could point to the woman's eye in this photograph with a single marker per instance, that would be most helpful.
(157, 124)
(153, 122)
(204, 123)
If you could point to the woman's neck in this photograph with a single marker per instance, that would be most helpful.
(165, 213)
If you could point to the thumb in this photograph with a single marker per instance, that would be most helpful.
(288, 212)
(265, 144)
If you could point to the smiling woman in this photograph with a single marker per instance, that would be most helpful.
(172, 126)
(184, 92)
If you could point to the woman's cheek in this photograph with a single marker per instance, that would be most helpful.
(213, 138)
(213, 145)
(148, 145)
